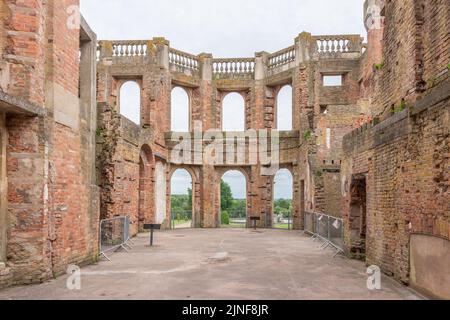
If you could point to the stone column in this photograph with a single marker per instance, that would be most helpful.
(206, 91)
(162, 52)
(261, 60)
(210, 191)
(303, 45)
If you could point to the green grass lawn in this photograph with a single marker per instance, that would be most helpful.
(233, 225)
(283, 226)
(181, 222)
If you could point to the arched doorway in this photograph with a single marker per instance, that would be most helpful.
(233, 200)
(181, 199)
(283, 192)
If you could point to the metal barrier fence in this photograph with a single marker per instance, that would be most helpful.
(114, 235)
(326, 228)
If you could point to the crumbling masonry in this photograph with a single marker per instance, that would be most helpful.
(374, 150)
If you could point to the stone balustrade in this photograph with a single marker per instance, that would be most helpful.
(182, 61)
(122, 49)
(319, 47)
(233, 67)
(129, 48)
(282, 57)
(337, 44)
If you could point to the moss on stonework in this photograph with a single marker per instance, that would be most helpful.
(307, 135)
(379, 66)
(399, 108)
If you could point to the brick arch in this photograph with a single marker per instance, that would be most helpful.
(289, 168)
(146, 186)
(220, 172)
(196, 200)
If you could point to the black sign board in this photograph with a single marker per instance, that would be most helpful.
(152, 228)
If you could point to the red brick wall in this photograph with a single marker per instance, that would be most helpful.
(27, 248)
(406, 165)
(436, 40)
(399, 78)
(25, 48)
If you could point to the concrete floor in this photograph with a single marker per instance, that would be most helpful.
(224, 264)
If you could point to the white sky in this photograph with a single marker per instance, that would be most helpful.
(232, 28)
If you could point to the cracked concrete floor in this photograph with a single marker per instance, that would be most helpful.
(226, 264)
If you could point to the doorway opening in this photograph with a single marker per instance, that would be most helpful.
(283, 192)
(181, 199)
(233, 200)
(358, 217)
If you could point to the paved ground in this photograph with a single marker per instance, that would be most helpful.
(220, 264)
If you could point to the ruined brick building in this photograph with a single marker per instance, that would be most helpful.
(373, 148)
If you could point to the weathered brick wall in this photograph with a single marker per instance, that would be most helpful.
(404, 159)
(406, 165)
(28, 254)
(401, 74)
(52, 213)
(24, 49)
(436, 41)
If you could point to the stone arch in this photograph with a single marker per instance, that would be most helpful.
(146, 188)
(181, 110)
(221, 173)
(130, 100)
(284, 116)
(233, 112)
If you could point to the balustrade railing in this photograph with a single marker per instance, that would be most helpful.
(334, 44)
(182, 60)
(282, 57)
(234, 66)
(129, 48)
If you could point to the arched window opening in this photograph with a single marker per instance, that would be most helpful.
(284, 109)
(233, 113)
(130, 101)
(180, 110)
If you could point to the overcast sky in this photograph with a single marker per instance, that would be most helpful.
(231, 28)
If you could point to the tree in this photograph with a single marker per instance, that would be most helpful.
(226, 196)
